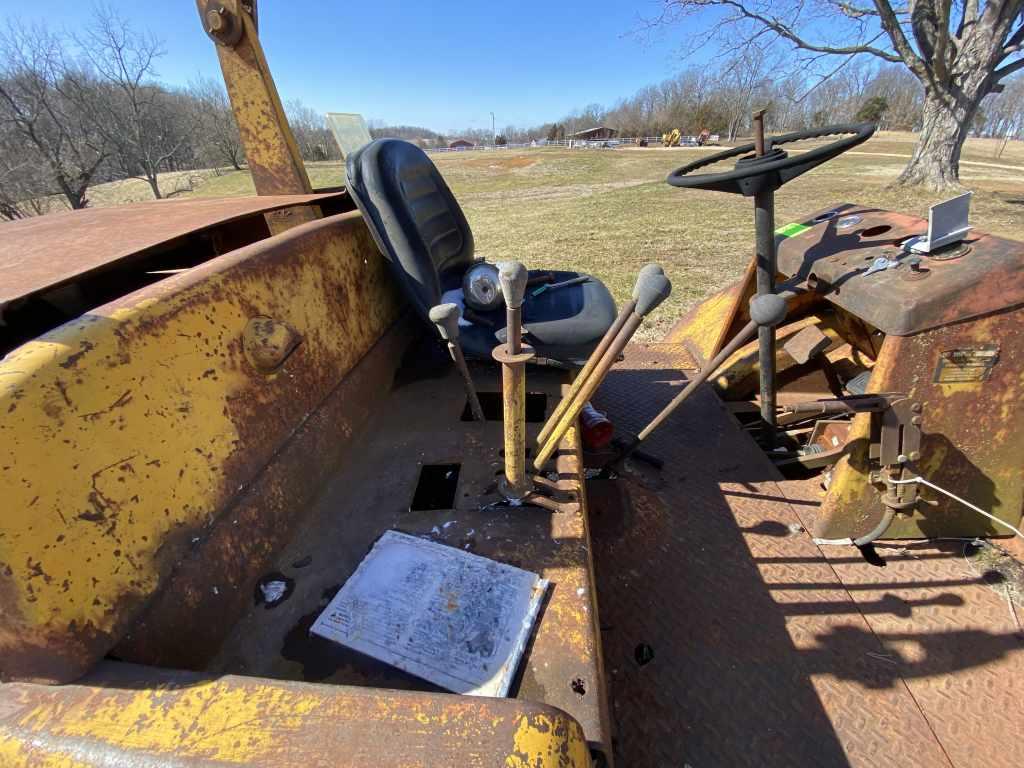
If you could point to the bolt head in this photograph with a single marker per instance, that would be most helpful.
(215, 20)
(915, 455)
(915, 407)
(916, 421)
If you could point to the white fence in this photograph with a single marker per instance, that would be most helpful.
(653, 141)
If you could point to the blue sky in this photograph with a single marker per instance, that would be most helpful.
(439, 65)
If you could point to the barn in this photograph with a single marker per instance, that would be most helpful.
(597, 133)
(461, 144)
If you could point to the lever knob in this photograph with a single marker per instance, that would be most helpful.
(446, 318)
(513, 276)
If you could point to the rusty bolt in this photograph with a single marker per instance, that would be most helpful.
(215, 23)
(224, 27)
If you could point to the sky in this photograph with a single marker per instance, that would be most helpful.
(437, 65)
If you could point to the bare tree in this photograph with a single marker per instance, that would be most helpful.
(744, 77)
(217, 132)
(311, 133)
(903, 94)
(23, 181)
(1005, 115)
(958, 51)
(140, 119)
(50, 145)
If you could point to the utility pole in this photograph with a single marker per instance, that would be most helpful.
(494, 133)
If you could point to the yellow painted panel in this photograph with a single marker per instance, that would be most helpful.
(251, 721)
(126, 432)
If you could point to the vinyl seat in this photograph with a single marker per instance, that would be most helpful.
(423, 233)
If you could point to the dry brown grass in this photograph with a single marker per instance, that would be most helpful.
(609, 212)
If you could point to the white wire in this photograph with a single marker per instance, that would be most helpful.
(953, 496)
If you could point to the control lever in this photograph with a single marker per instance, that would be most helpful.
(767, 310)
(652, 288)
(446, 318)
(599, 352)
(513, 356)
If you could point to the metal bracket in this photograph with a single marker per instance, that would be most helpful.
(899, 444)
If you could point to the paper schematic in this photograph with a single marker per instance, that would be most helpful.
(458, 620)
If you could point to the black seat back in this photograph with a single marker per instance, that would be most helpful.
(413, 216)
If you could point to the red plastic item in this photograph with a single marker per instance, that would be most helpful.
(596, 430)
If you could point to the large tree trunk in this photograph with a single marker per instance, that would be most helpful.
(946, 122)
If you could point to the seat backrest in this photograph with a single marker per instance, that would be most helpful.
(413, 216)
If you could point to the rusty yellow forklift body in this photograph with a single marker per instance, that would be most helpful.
(161, 448)
(198, 393)
(946, 333)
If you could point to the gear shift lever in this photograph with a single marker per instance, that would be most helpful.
(446, 318)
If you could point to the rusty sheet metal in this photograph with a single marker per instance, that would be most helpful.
(704, 330)
(987, 278)
(972, 442)
(419, 423)
(943, 612)
(270, 149)
(709, 326)
(45, 251)
(137, 716)
(212, 586)
(728, 638)
(127, 432)
(808, 343)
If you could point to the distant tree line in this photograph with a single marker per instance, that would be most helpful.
(721, 97)
(80, 109)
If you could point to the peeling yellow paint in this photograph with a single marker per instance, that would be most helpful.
(542, 742)
(119, 435)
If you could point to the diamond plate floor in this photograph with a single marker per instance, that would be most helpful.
(730, 639)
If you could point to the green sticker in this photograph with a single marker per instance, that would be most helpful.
(791, 230)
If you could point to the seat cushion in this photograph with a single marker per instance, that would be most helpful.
(564, 324)
(423, 234)
(415, 219)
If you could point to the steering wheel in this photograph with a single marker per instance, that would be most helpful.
(775, 167)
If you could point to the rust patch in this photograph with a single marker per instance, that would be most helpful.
(972, 441)
(45, 251)
(990, 279)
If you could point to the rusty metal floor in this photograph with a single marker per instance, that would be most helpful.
(376, 489)
(731, 639)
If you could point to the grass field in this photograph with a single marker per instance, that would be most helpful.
(608, 212)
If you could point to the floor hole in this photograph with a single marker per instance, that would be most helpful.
(436, 487)
(643, 654)
(490, 402)
(881, 229)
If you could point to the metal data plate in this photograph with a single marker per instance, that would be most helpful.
(458, 620)
(959, 366)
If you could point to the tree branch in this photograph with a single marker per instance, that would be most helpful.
(787, 33)
(891, 24)
(1007, 70)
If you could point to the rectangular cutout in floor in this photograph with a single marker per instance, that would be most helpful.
(536, 407)
(436, 487)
